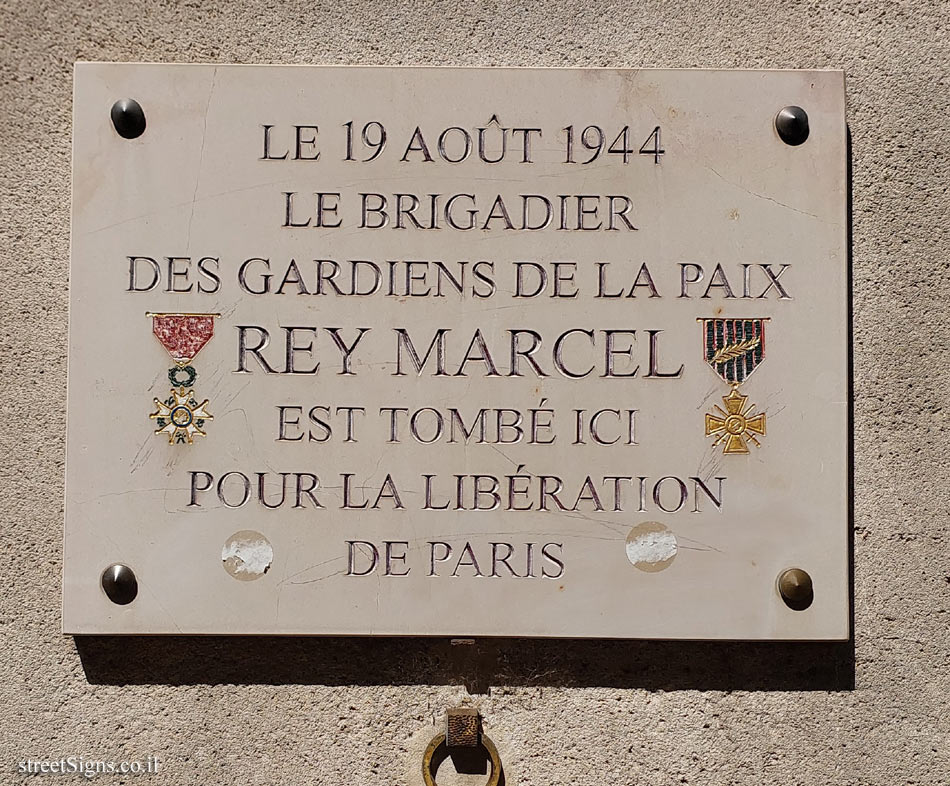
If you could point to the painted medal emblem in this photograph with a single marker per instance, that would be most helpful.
(180, 417)
(734, 348)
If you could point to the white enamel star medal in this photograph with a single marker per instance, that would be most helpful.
(180, 417)
(734, 348)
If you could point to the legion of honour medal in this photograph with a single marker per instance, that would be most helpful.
(734, 348)
(180, 417)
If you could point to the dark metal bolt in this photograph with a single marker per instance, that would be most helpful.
(128, 118)
(792, 125)
(119, 584)
(795, 587)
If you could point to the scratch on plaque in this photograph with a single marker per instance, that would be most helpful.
(319, 578)
(707, 547)
(201, 155)
(175, 205)
(162, 606)
(506, 457)
(608, 525)
(147, 588)
(767, 198)
(98, 497)
(142, 455)
(236, 393)
(378, 590)
(287, 580)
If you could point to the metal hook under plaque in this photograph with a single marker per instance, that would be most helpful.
(463, 729)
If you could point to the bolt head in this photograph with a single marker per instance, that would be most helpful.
(128, 118)
(119, 584)
(795, 587)
(792, 125)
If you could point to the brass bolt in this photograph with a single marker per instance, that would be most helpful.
(795, 587)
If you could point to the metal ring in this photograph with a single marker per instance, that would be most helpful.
(437, 752)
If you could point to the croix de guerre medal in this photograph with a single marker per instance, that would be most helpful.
(734, 348)
(180, 417)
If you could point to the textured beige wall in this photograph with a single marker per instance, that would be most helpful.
(293, 711)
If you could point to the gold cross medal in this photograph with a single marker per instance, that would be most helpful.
(734, 348)
(180, 417)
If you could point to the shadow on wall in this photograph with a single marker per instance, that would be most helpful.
(481, 664)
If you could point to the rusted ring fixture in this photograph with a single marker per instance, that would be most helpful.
(438, 751)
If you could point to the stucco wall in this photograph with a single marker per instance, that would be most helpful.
(265, 711)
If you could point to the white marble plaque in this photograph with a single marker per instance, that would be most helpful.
(442, 351)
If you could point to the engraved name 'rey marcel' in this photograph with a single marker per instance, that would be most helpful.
(571, 353)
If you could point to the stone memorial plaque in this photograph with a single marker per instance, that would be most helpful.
(444, 351)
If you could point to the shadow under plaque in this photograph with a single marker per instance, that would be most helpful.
(478, 664)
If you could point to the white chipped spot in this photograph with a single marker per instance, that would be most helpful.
(651, 547)
(247, 555)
